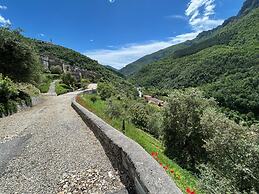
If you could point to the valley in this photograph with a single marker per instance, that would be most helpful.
(190, 111)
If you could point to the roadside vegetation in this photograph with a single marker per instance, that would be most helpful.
(201, 148)
(111, 112)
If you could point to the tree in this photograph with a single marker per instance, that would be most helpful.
(233, 153)
(18, 59)
(183, 132)
(139, 115)
(56, 69)
(68, 79)
(105, 90)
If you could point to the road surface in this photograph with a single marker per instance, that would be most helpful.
(49, 149)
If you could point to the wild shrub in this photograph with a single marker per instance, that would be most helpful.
(68, 79)
(233, 150)
(7, 89)
(56, 69)
(18, 58)
(183, 133)
(139, 115)
(105, 90)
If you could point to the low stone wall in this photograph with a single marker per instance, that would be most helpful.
(34, 101)
(22, 107)
(143, 173)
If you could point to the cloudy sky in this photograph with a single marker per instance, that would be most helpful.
(116, 32)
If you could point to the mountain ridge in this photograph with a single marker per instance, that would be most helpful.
(136, 66)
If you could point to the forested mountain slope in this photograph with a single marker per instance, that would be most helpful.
(222, 35)
(225, 63)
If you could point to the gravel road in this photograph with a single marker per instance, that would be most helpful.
(49, 149)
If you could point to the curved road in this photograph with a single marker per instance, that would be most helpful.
(46, 146)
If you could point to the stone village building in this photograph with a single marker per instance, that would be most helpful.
(76, 72)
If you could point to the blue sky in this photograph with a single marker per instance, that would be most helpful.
(116, 32)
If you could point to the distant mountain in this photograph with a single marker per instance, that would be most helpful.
(224, 62)
(204, 39)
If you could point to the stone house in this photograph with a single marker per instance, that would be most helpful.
(151, 100)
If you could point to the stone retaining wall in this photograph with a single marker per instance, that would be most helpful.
(142, 172)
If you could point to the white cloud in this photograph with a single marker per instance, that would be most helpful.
(200, 12)
(199, 15)
(3, 7)
(111, 1)
(180, 17)
(129, 53)
(4, 22)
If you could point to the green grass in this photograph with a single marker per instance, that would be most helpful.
(44, 87)
(46, 81)
(181, 177)
(62, 88)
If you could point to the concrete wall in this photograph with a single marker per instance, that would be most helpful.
(139, 171)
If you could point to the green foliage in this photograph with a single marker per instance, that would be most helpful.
(62, 88)
(85, 83)
(105, 90)
(139, 115)
(93, 99)
(99, 72)
(233, 151)
(200, 138)
(239, 91)
(56, 69)
(8, 89)
(114, 109)
(223, 61)
(183, 133)
(44, 87)
(11, 96)
(68, 79)
(149, 143)
(238, 31)
(18, 58)
(154, 124)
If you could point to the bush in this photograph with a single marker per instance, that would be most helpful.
(68, 79)
(105, 90)
(233, 150)
(56, 69)
(7, 89)
(19, 60)
(62, 89)
(183, 132)
(114, 109)
(154, 125)
(93, 99)
(139, 115)
(85, 83)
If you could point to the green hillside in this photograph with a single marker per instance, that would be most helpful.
(226, 34)
(224, 62)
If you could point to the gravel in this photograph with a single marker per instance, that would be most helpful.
(55, 148)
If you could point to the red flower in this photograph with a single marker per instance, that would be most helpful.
(172, 171)
(154, 154)
(161, 164)
(166, 167)
(189, 191)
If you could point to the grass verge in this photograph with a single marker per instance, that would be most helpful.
(62, 88)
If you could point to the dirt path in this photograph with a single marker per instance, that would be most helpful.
(52, 89)
(49, 149)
